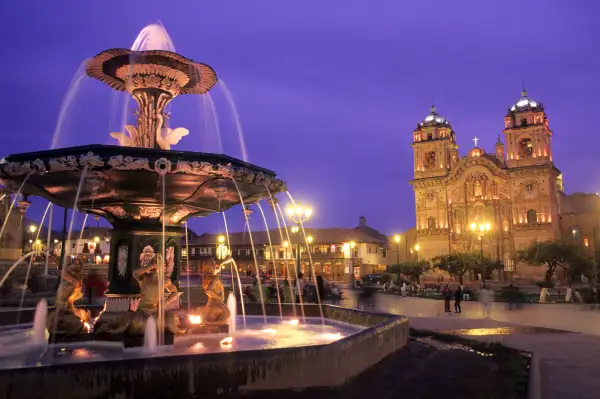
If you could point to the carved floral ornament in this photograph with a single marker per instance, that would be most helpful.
(161, 166)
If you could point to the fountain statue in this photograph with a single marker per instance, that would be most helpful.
(149, 280)
(67, 319)
(145, 190)
(214, 315)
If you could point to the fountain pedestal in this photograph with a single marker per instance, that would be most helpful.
(129, 240)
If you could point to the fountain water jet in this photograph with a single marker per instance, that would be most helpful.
(272, 257)
(258, 278)
(294, 268)
(236, 118)
(39, 323)
(39, 230)
(151, 334)
(232, 305)
(67, 102)
(310, 262)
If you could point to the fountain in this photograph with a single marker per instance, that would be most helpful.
(142, 343)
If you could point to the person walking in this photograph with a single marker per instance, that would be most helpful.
(457, 299)
(486, 301)
(447, 295)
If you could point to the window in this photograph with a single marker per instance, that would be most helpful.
(576, 233)
(531, 216)
(526, 147)
(368, 248)
(431, 223)
(523, 122)
(429, 160)
(430, 136)
(73, 246)
(384, 253)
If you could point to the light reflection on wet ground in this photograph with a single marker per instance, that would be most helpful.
(502, 331)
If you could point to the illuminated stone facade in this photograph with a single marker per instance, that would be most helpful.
(514, 191)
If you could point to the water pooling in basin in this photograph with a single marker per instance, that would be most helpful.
(273, 334)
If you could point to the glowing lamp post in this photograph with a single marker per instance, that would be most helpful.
(480, 229)
(221, 250)
(397, 240)
(417, 248)
(298, 214)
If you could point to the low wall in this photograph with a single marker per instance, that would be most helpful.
(205, 375)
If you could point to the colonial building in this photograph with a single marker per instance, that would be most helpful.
(332, 250)
(498, 201)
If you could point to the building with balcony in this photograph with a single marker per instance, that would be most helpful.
(332, 251)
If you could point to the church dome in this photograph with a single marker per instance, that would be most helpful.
(434, 119)
(525, 103)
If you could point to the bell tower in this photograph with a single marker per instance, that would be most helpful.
(527, 134)
(434, 146)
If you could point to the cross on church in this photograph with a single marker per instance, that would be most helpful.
(475, 140)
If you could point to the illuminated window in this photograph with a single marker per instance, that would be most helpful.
(586, 242)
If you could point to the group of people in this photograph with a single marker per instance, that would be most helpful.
(306, 292)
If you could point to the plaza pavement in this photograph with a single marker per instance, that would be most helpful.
(567, 362)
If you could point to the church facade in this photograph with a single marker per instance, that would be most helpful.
(495, 202)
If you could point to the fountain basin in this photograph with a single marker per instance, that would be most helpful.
(179, 373)
(121, 182)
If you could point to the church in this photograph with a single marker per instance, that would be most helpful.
(496, 202)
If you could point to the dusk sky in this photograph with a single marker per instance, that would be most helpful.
(328, 92)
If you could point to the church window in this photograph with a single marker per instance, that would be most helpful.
(523, 122)
(431, 223)
(526, 147)
(430, 160)
(531, 216)
(430, 136)
(576, 233)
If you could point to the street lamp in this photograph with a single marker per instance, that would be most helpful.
(480, 229)
(298, 214)
(417, 248)
(96, 239)
(397, 239)
(32, 229)
(221, 248)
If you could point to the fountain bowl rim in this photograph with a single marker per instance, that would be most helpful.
(202, 76)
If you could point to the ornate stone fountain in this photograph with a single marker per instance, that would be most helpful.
(142, 187)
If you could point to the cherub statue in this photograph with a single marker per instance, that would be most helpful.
(147, 277)
(148, 280)
(215, 312)
(70, 318)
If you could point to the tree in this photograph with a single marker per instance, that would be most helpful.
(557, 254)
(459, 263)
(413, 269)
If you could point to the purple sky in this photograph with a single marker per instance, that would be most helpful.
(328, 92)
